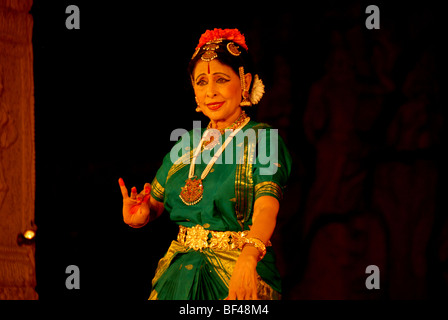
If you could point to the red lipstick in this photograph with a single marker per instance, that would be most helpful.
(215, 105)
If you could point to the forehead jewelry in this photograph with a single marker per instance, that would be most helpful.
(210, 53)
(209, 48)
(213, 45)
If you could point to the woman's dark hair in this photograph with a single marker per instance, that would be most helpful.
(225, 57)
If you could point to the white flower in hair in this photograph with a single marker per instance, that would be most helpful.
(257, 90)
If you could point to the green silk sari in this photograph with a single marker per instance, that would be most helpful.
(240, 176)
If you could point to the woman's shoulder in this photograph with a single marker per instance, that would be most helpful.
(257, 125)
(265, 132)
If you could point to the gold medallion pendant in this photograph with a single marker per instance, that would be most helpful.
(192, 192)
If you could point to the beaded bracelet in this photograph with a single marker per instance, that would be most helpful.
(257, 243)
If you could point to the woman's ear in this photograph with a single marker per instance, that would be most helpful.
(248, 78)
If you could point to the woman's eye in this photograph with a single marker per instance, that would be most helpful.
(222, 80)
(201, 83)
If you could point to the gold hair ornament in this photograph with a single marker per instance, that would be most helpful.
(210, 53)
(233, 49)
(210, 47)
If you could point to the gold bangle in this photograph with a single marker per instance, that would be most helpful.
(257, 243)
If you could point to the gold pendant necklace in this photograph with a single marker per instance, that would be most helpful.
(193, 190)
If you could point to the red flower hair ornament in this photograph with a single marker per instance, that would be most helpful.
(222, 34)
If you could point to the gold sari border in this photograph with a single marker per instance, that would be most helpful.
(268, 188)
(158, 192)
(223, 261)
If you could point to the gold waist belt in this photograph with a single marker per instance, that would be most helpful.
(198, 238)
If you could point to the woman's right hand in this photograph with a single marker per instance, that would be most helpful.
(136, 208)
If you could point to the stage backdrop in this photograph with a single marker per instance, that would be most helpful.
(17, 178)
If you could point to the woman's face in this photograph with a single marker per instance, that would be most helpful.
(218, 92)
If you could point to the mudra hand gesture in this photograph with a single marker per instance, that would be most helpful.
(136, 208)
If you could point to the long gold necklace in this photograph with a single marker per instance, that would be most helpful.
(193, 190)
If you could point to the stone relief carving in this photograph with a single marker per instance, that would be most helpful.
(8, 136)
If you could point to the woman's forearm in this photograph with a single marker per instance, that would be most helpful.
(264, 218)
(263, 224)
(243, 284)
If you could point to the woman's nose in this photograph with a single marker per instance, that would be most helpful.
(211, 90)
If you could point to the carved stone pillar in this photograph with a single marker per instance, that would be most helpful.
(17, 176)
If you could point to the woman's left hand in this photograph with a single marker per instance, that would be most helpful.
(243, 284)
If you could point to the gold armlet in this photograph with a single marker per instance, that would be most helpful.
(257, 243)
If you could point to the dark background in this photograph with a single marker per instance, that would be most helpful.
(361, 111)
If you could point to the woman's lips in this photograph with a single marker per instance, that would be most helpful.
(215, 105)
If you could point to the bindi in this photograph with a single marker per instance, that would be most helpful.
(208, 66)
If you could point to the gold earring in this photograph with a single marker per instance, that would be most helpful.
(198, 108)
(245, 102)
